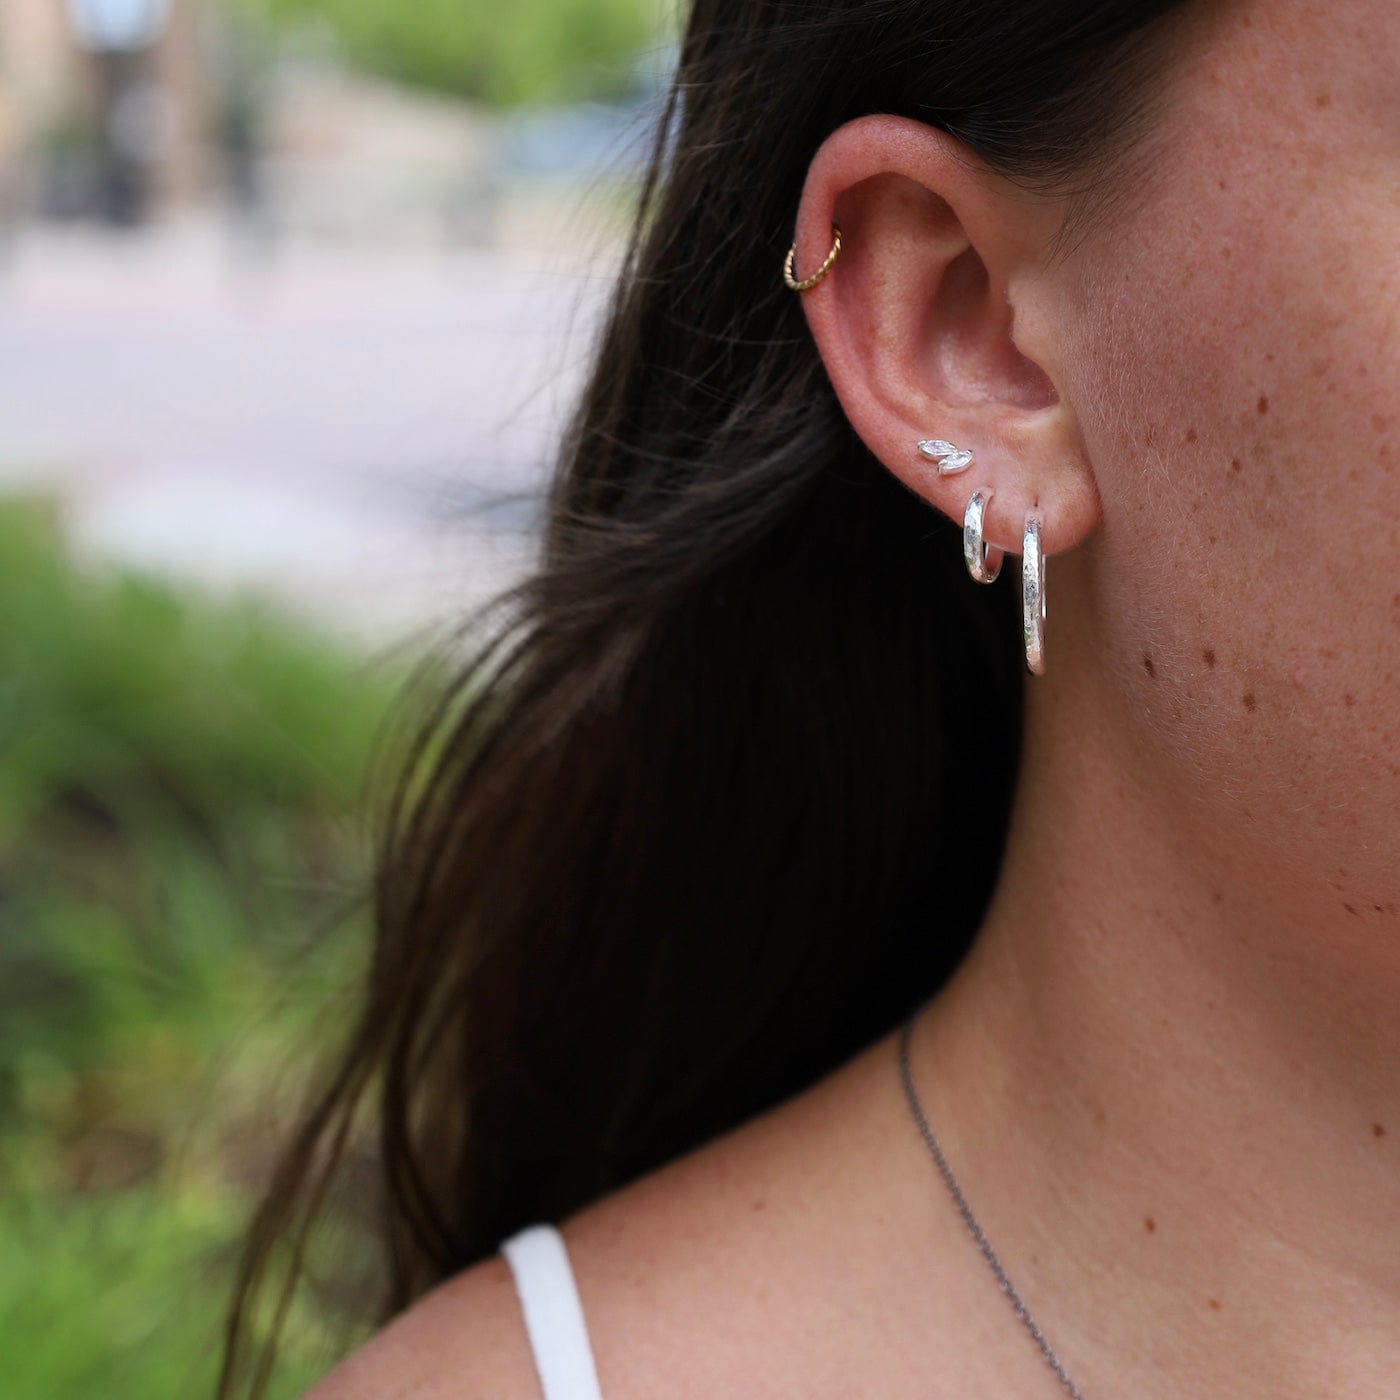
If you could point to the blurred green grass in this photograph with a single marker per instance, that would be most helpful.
(542, 51)
(184, 860)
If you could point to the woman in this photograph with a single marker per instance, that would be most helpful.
(752, 782)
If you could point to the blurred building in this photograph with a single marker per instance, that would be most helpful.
(108, 108)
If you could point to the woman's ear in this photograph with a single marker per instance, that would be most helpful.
(932, 324)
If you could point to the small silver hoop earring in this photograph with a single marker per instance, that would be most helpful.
(1033, 596)
(983, 560)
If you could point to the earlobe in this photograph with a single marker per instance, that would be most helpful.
(914, 320)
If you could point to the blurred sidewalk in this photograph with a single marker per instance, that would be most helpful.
(358, 431)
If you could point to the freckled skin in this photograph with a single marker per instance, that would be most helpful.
(1284, 360)
(1196, 924)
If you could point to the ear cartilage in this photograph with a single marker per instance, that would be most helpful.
(950, 459)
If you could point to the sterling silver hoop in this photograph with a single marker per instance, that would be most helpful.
(1033, 596)
(983, 560)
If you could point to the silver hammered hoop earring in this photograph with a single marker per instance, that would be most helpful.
(1033, 596)
(983, 560)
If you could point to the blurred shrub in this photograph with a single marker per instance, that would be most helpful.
(500, 53)
(182, 920)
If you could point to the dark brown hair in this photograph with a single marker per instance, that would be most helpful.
(691, 827)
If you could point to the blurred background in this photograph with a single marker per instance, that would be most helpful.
(294, 297)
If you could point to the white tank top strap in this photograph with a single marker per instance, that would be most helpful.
(544, 1279)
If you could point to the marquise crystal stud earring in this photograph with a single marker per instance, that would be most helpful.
(983, 560)
(1033, 596)
(950, 459)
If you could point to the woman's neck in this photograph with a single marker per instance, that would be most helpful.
(1169, 1081)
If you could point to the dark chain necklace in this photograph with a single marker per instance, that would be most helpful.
(1006, 1285)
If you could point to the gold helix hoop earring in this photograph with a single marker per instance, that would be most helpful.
(983, 560)
(1033, 596)
(808, 283)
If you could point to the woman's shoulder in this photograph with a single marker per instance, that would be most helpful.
(737, 1266)
(656, 1265)
(465, 1338)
